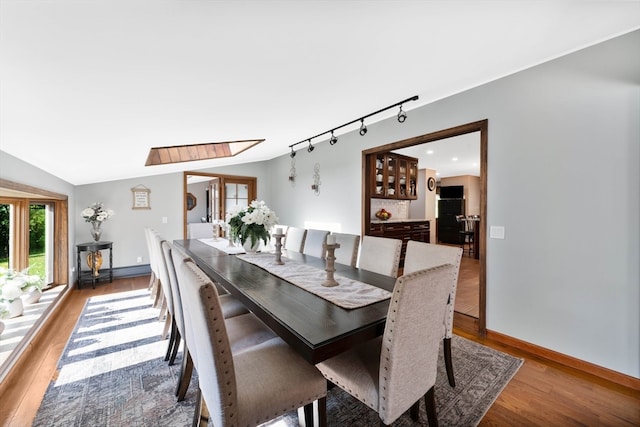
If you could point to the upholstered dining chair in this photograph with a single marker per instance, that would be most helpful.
(295, 239)
(391, 373)
(347, 253)
(165, 286)
(154, 285)
(231, 307)
(244, 387)
(380, 255)
(199, 230)
(313, 243)
(419, 256)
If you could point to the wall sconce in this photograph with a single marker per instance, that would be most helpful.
(292, 171)
(316, 179)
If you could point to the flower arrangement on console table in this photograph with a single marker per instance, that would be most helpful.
(96, 214)
(251, 224)
(13, 285)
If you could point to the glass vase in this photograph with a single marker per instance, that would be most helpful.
(95, 230)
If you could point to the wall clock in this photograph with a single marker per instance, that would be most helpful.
(431, 183)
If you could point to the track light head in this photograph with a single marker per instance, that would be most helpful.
(310, 148)
(402, 116)
(363, 128)
(333, 139)
(293, 153)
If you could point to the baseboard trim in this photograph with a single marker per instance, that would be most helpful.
(131, 271)
(569, 361)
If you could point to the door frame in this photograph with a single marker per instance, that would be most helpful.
(461, 320)
(250, 180)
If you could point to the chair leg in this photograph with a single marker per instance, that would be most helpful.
(176, 346)
(430, 403)
(185, 375)
(448, 363)
(322, 412)
(201, 413)
(172, 339)
(415, 411)
(308, 415)
(167, 326)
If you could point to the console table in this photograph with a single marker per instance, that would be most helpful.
(94, 275)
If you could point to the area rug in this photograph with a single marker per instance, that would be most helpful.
(112, 373)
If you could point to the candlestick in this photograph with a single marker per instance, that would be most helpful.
(278, 237)
(330, 265)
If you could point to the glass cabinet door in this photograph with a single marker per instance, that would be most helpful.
(392, 171)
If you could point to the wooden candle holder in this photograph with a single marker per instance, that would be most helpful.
(330, 266)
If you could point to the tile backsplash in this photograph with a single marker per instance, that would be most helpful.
(399, 208)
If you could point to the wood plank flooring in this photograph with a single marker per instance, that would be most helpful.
(542, 393)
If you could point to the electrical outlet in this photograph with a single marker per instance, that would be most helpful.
(139, 260)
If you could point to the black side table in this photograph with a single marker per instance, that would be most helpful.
(93, 275)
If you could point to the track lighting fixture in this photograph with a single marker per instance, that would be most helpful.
(402, 116)
(333, 139)
(363, 128)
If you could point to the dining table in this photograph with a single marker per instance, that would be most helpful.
(314, 326)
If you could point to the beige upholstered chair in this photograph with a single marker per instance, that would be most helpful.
(391, 373)
(154, 284)
(313, 243)
(421, 255)
(163, 279)
(248, 386)
(231, 307)
(199, 230)
(380, 255)
(347, 253)
(295, 239)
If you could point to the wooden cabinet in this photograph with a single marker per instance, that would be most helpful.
(402, 230)
(393, 176)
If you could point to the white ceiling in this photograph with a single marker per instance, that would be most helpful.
(87, 87)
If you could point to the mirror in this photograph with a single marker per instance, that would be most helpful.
(191, 201)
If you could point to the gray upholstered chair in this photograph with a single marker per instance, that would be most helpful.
(347, 253)
(165, 286)
(391, 373)
(231, 307)
(295, 239)
(380, 255)
(421, 255)
(313, 243)
(248, 386)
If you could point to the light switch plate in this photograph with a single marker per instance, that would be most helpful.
(496, 232)
(164, 219)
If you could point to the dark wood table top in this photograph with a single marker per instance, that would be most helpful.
(315, 327)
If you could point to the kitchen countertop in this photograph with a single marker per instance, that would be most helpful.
(395, 221)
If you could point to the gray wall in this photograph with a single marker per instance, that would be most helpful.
(563, 179)
(563, 162)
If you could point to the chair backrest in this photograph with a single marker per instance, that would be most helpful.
(347, 253)
(313, 243)
(411, 340)
(419, 256)
(163, 273)
(199, 230)
(148, 234)
(380, 255)
(211, 352)
(295, 239)
(178, 315)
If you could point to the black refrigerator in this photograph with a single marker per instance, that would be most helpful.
(451, 203)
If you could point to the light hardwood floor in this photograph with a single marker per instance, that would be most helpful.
(542, 393)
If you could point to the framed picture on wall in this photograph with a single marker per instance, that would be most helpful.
(141, 197)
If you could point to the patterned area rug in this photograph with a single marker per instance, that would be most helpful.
(112, 373)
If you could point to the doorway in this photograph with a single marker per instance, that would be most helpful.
(463, 321)
(209, 196)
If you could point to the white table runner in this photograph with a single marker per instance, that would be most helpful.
(223, 245)
(348, 294)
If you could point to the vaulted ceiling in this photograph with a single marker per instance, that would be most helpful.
(89, 86)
